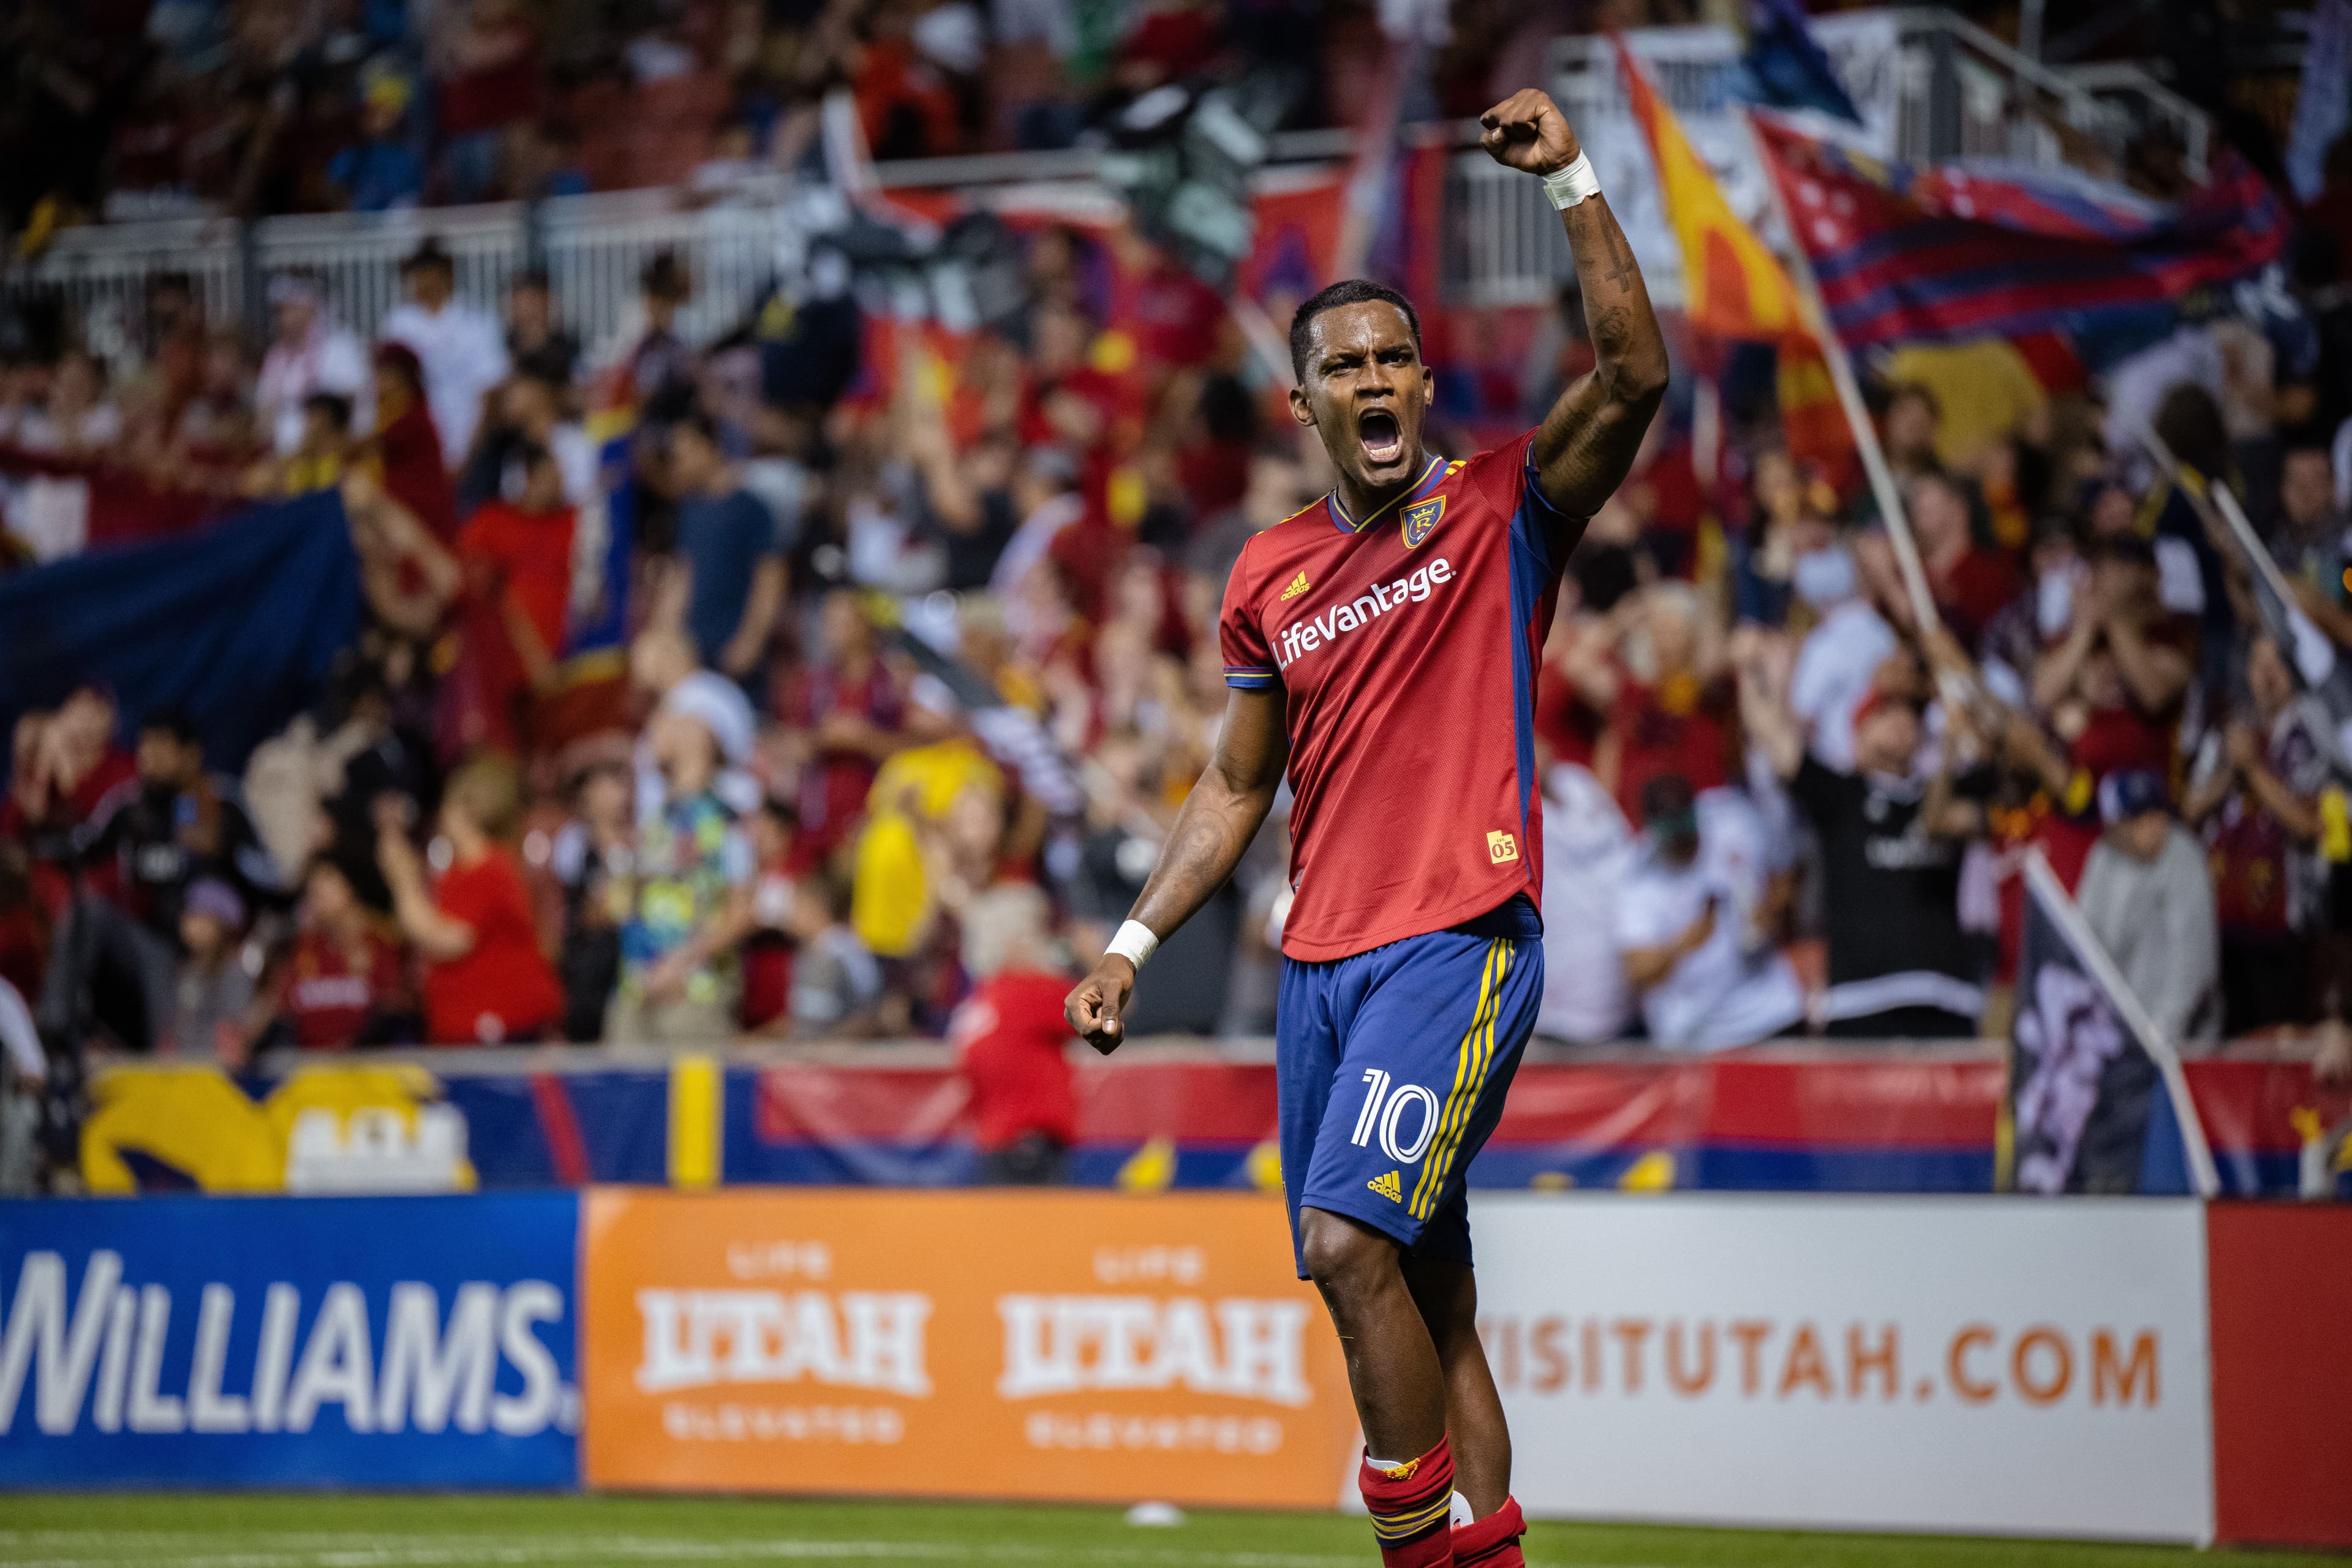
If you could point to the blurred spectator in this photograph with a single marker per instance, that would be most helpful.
(836, 982)
(688, 900)
(1012, 1042)
(214, 989)
(850, 709)
(457, 348)
(485, 56)
(662, 664)
(78, 419)
(1891, 846)
(516, 557)
(410, 456)
(485, 980)
(2256, 796)
(1691, 924)
(1971, 583)
(1587, 851)
(726, 586)
(343, 982)
(2149, 901)
(1838, 662)
(538, 342)
(380, 172)
(594, 857)
(310, 351)
(318, 458)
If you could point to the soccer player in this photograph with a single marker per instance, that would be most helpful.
(1383, 643)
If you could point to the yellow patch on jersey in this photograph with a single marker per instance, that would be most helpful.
(1502, 848)
(1420, 518)
(1297, 586)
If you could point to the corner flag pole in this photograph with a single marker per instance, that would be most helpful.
(1849, 392)
(2043, 883)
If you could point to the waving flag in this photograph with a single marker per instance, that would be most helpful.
(1732, 286)
(1945, 253)
(1785, 68)
(1735, 288)
(2098, 1100)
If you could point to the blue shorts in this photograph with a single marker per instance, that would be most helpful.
(1390, 1068)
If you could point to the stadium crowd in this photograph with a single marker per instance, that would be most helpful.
(920, 659)
(156, 108)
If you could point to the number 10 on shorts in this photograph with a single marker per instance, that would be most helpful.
(1384, 1110)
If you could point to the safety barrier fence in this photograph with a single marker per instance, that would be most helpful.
(1883, 1119)
(2151, 1369)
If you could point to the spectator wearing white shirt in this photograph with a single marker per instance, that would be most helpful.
(460, 349)
(309, 352)
(1838, 661)
(1689, 918)
(1587, 851)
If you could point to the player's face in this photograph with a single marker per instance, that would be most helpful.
(1365, 393)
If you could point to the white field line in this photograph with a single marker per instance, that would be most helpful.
(171, 1549)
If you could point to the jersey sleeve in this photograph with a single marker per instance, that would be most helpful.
(1505, 480)
(1249, 662)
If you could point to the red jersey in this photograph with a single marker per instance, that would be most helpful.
(501, 991)
(1406, 647)
(1014, 1041)
(329, 999)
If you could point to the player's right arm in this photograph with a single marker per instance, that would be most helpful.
(1212, 830)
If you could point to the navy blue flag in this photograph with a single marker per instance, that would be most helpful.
(2095, 1097)
(235, 625)
(1785, 66)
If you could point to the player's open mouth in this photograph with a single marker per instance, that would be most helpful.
(1382, 437)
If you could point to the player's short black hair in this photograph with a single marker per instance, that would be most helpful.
(1348, 291)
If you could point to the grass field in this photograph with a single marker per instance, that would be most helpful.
(204, 1532)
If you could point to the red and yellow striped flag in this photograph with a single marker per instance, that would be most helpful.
(1735, 288)
(1732, 286)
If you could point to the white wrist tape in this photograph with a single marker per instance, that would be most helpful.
(1567, 186)
(1134, 943)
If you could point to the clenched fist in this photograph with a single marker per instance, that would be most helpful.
(1527, 131)
(1095, 1004)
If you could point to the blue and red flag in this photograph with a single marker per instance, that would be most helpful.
(1949, 253)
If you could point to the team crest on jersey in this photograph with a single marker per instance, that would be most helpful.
(1420, 518)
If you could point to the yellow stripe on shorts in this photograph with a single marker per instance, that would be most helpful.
(1467, 1075)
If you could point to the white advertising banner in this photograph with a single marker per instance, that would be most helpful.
(1977, 1365)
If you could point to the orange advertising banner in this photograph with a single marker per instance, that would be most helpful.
(1083, 1346)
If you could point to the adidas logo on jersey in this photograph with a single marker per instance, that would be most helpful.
(1305, 637)
(1297, 586)
(1390, 1187)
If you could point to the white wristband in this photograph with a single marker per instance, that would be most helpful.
(1567, 186)
(1134, 943)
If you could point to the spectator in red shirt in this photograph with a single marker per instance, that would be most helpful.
(486, 56)
(517, 556)
(1012, 1042)
(853, 710)
(344, 983)
(1971, 583)
(485, 981)
(407, 444)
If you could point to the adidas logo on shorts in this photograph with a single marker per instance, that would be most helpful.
(1390, 1187)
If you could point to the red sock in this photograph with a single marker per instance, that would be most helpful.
(1493, 1542)
(1410, 1504)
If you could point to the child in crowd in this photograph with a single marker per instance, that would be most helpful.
(594, 860)
(485, 981)
(215, 992)
(345, 981)
(1013, 1041)
(689, 901)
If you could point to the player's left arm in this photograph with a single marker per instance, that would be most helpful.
(1587, 442)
